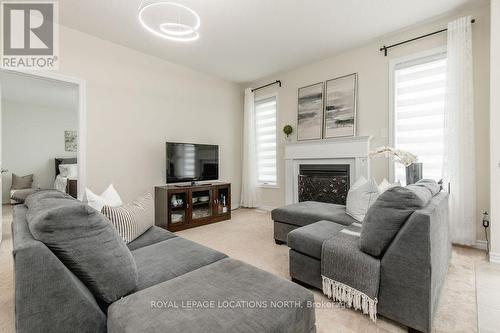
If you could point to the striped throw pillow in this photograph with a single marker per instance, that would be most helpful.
(133, 219)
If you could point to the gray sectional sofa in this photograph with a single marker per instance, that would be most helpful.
(73, 273)
(412, 266)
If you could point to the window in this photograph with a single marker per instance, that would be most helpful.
(265, 118)
(419, 99)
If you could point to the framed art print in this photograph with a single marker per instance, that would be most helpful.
(310, 112)
(340, 106)
(71, 141)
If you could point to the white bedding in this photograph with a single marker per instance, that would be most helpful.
(68, 170)
(61, 182)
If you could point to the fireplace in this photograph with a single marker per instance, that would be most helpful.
(324, 182)
(352, 151)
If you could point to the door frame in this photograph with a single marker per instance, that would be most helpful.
(82, 117)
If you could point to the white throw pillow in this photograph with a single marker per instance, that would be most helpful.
(360, 197)
(108, 198)
(385, 185)
(68, 170)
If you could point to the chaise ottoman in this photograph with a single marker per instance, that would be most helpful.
(305, 251)
(226, 296)
(304, 213)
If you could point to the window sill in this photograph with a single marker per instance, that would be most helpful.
(269, 186)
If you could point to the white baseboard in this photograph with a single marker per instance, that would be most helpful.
(495, 257)
(481, 245)
(262, 208)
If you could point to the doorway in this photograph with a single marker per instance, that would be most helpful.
(42, 135)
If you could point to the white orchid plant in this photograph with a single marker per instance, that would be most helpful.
(400, 156)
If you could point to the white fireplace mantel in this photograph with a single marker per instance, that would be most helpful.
(349, 150)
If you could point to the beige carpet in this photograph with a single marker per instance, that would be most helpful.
(249, 237)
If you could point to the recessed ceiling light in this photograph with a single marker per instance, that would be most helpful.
(170, 20)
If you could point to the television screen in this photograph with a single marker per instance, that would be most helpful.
(188, 162)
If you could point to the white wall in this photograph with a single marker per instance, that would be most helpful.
(32, 136)
(136, 102)
(373, 94)
(495, 131)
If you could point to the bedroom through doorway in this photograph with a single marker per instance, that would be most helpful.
(40, 135)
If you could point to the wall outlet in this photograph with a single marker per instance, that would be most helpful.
(486, 220)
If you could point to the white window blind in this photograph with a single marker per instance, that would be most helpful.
(419, 98)
(265, 117)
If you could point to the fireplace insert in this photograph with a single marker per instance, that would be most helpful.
(324, 183)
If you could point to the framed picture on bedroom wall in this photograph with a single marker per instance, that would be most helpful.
(310, 112)
(340, 106)
(71, 141)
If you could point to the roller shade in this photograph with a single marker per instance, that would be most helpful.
(419, 99)
(265, 117)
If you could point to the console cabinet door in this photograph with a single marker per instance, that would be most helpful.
(200, 203)
(178, 203)
(222, 199)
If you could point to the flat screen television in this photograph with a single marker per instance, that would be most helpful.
(188, 162)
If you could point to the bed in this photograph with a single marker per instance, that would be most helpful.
(66, 184)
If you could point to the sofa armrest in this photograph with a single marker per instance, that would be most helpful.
(48, 297)
(414, 266)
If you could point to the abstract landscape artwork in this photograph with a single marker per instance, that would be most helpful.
(340, 106)
(310, 112)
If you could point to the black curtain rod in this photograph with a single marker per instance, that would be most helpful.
(386, 48)
(267, 85)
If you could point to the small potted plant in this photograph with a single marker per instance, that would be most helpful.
(288, 130)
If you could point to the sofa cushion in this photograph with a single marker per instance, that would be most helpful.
(171, 258)
(307, 212)
(37, 195)
(388, 214)
(309, 239)
(224, 287)
(85, 241)
(151, 236)
(429, 184)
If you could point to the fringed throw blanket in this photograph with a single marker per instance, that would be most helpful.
(350, 276)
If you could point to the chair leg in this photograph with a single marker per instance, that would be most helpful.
(279, 242)
(412, 330)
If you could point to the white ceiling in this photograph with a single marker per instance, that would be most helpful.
(244, 40)
(37, 91)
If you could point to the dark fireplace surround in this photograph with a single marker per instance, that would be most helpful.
(324, 183)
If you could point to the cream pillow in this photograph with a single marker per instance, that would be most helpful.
(68, 170)
(360, 197)
(385, 185)
(109, 198)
